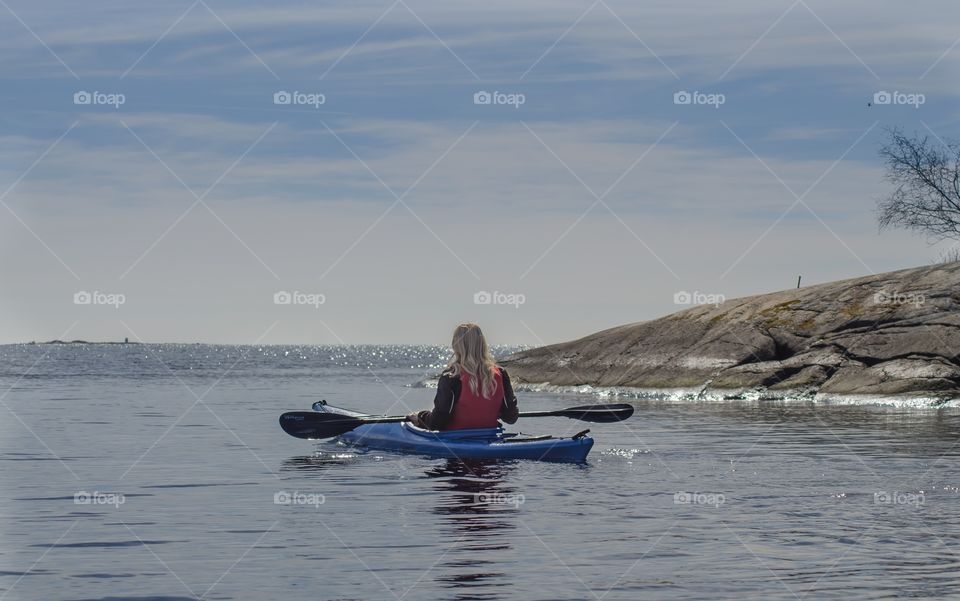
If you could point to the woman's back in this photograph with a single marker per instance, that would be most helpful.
(473, 391)
(472, 409)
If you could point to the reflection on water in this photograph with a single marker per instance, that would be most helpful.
(477, 508)
(869, 431)
(318, 461)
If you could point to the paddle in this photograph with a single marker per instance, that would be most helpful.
(317, 424)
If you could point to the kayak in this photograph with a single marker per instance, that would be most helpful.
(483, 443)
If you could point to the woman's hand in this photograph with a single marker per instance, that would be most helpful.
(414, 419)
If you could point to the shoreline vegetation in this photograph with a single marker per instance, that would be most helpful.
(890, 334)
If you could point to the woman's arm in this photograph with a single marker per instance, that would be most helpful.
(448, 390)
(510, 412)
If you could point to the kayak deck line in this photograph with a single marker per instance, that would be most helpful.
(510, 439)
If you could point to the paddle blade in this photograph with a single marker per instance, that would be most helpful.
(312, 425)
(601, 414)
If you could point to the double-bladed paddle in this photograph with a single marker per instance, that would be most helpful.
(318, 424)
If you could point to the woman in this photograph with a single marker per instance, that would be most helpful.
(473, 391)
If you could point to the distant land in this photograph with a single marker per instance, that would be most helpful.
(83, 342)
(895, 333)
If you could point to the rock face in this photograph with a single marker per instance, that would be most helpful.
(895, 333)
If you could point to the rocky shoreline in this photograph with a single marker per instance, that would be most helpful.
(890, 334)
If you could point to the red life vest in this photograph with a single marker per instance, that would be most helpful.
(472, 409)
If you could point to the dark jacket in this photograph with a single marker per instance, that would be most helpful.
(448, 393)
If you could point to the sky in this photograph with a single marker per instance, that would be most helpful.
(377, 172)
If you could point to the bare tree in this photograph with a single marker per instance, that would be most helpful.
(927, 179)
(951, 255)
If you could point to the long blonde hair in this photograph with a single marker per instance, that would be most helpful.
(471, 356)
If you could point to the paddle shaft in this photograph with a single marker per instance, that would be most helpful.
(557, 413)
(572, 413)
(319, 424)
(392, 419)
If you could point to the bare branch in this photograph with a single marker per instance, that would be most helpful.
(927, 179)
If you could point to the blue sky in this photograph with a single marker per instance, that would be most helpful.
(597, 199)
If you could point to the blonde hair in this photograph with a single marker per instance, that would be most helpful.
(471, 356)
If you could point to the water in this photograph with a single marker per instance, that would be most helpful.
(684, 501)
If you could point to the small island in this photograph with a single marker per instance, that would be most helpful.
(124, 341)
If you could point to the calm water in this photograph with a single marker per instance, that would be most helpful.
(684, 501)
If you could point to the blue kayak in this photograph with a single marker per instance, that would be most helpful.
(486, 443)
